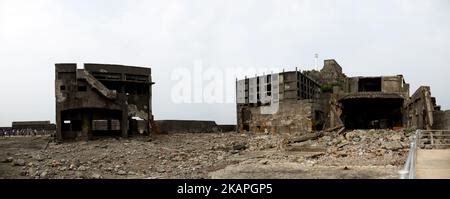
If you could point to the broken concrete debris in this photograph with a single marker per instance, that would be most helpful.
(182, 155)
(19, 162)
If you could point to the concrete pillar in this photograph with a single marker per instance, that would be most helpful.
(124, 123)
(58, 125)
(86, 126)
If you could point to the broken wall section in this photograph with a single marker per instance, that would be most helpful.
(330, 75)
(419, 109)
(102, 99)
(441, 120)
(293, 116)
(368, 102)
(293, 106)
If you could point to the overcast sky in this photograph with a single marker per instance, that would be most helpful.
(389, 37)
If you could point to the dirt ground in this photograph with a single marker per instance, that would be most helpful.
(213, 155)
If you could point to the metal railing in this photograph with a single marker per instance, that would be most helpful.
(409, 169)
(434, 139)
(423, 139)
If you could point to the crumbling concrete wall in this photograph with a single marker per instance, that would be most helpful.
(387, 84)
(293, 105)
(386, 92)
(441, 120)
(186, 126)
(331, 74)
(293, 116)
(102, 99)
(395, 84)
(419, 109)
(367, 101)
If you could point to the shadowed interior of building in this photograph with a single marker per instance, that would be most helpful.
(372, 113)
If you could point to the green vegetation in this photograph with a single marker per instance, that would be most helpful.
(328, 88)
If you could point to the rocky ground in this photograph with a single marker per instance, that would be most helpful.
(353, 154)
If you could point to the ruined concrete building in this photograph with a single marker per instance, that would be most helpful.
(102, 100)
(293, 107)
(370, 102)
(315, 100)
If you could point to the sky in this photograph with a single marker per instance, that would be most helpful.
(367, 38)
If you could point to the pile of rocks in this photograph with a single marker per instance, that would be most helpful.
(370, 140)
(389, 146)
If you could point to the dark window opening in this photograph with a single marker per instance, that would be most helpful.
(245, 118)
(113, 86)
(246, 127)
(141, 78)
(369, 84)
(65, 125)
(82, 88)
(137, 127)
(269, 85)
(76, 125)
(63, 88)
(107, 76)
(318, 120)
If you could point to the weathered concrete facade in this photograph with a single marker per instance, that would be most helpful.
(331, 74)
(441, 120)
(364, 102)
(102, 100)
(371, 102)
(420, 110)
(278, 102)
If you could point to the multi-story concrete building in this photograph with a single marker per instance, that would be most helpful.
(101, 100)
(315, 100)
(284, 101)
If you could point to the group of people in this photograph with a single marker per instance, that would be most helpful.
(26, 132)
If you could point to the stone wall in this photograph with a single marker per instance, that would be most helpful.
(293, 116)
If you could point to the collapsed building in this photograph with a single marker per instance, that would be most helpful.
(102, 100)
(328, 99)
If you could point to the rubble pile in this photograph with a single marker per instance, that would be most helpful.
(265, 142)
(166, 156)
(366, 147)
(186, 155)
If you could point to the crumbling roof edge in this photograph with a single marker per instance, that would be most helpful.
(368, 95)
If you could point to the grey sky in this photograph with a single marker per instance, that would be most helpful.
(366, 37)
